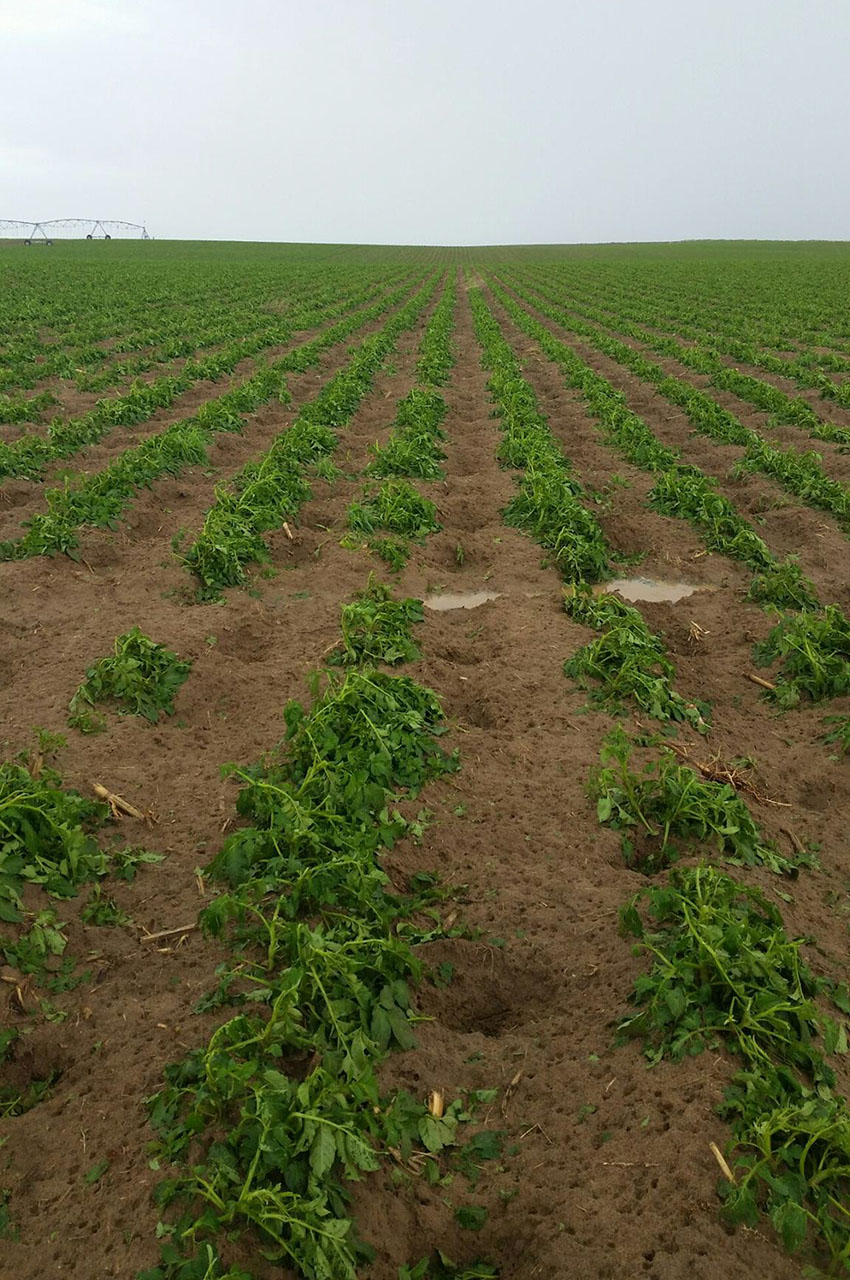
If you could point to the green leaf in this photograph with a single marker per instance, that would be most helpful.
(791, 1221)
(96, 1172)
(677, 1000)
(401, 1029)
(322, 1151)
(435, 1133)
(361, 1154)
(471, 1217)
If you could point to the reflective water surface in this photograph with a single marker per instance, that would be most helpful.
(634, 589)
(442, 600)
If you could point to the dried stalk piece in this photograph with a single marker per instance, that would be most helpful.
(170, 933)
(716, 771)
(764, 684)
(437, 1104)
(120, 807)
(721, 1160)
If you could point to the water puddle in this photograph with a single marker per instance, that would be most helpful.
(444, 600)
(634, 589)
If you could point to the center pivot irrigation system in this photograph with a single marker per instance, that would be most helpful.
(42, 232)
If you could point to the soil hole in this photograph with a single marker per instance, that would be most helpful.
(489, 992)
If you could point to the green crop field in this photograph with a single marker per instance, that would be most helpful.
(426, 733)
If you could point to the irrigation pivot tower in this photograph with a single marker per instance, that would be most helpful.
(79, 228)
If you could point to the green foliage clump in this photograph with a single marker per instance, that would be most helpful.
(436, 357)
(668, 801)
(688, 494)
(814, 652)
(548, 508)
(45, 836)
(142, 677)
(725, 972)
(31, 951)
(399, 509)
(394, 551)
(722, 966)
(282, 1108)
(839, 732)
(441, 1267)
(782, 586)
(627, 660)
(377, 628)
(16, 1101)
(24, 408)
(413, 447)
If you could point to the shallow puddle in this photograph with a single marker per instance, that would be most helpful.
(443, 600)
(634, 589)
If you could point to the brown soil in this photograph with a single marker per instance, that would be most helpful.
(611, 1174)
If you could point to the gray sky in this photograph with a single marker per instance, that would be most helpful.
(430, 121)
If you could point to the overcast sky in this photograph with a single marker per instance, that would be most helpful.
(430, 121)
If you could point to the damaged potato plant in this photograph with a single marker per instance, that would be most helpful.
(141, 678)
(47, 844)
(813, 650)
(282, 1108)
(45, 836)
(399, 510)
(377, 628)
(666, 802)
(627, 660)
(725, 972)
(413, 447)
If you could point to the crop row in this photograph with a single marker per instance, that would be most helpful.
(682, 490)
(313, 296)
(388, 518)
(703, 359)
(781, 305)
(321, 964)
(816, 646)
(814, 355)
(270, 489)
(798, 473)
(31, 454)
(100, 499)
(806, 368)
(72, 322)
(323, 942)
(722, 968)
(206, 327)
(325, 948)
